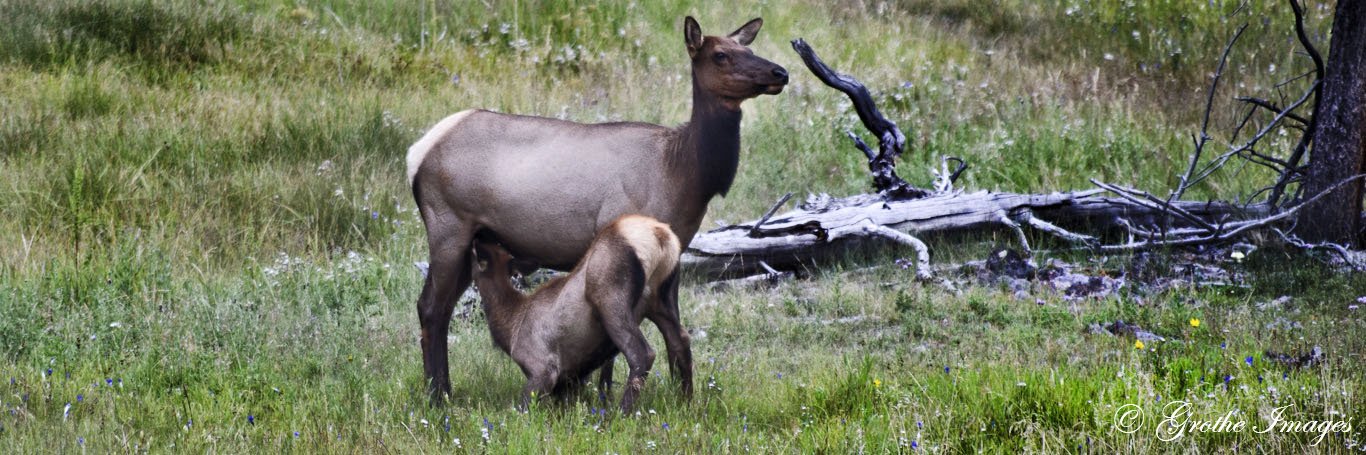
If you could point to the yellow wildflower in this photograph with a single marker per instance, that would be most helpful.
(1138, 344)
(1195, 322)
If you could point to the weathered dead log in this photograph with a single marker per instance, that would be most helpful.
(824, 226)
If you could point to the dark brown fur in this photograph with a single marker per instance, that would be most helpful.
(571, 325)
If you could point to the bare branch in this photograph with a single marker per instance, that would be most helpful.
(944, 179)
(922, 252)
(1341, 251)
(1229, 231)
(1268, 105)
(1010, 223)
(1028, 217)
(754, 231)
(862, 146)
(1204, 126)
(890, 139)
(1153, 202)
(1293, 162)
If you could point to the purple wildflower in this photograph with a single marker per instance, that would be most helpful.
(1248, 360)
(251, 419)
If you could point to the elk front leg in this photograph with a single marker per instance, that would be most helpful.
(447, 278)
(676, 339)
(679, 347)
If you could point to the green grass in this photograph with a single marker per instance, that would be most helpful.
(206, 219)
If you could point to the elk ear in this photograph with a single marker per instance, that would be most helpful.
(692, 35)
(746, 33)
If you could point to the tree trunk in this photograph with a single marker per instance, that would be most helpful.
(1340, 137)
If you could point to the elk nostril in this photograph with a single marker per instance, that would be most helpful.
(780, 72)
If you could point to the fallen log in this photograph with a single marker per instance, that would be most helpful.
(824, 227)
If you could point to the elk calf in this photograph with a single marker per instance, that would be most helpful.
(573, 324)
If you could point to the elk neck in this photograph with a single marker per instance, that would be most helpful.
(709, 144)
(505, 309)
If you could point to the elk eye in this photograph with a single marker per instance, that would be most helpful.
(721, 56)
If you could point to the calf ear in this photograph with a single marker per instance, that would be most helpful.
(481, 255)
(692, 35)
(746, 33)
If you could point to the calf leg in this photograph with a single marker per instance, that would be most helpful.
(625, 333)
(605, 378)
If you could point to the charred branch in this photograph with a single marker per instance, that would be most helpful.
(890, 139)
(1293, 173)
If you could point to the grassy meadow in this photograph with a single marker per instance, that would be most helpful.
(207, 240)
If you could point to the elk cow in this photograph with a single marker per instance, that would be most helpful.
(569, 326)
(544, 187)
